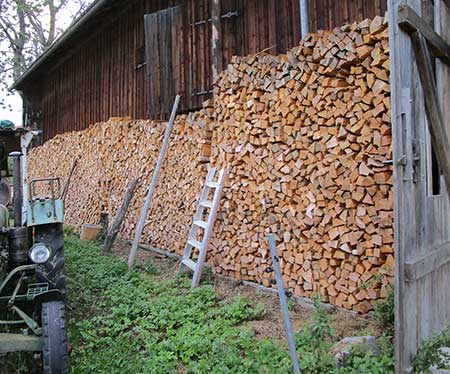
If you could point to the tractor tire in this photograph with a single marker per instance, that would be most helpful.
(54, 338)
(52, 272)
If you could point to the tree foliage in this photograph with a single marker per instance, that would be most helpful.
(28, 28)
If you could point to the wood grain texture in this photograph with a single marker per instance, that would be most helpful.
(305, 136)
(422, 236)
(99, 73)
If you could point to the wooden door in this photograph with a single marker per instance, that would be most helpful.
(420, 91)
(164, 56)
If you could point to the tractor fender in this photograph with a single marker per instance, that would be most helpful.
(51, 295)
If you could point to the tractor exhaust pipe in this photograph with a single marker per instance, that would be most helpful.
(17, 185)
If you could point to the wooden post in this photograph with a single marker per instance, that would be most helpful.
(111, 235)
(151, 189)
(216, 42)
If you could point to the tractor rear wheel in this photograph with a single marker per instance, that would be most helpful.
(52, 272)
(54, 338)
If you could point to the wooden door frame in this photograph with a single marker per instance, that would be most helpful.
(413, 89)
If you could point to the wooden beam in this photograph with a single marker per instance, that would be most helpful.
(410, 22)
(436, 125)
(425, 264)
(216, 42)
(151, 189)
(112, 234)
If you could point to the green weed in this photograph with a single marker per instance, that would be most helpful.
(363, 360)
(384, 311)
(130, 322)
(429, 355)
(126, 322)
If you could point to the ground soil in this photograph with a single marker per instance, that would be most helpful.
(344, 323)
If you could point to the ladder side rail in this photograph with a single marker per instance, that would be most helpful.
(207, 235)
(198, 214)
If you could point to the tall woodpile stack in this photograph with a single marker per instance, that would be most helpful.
(113, 153)
(307, 139)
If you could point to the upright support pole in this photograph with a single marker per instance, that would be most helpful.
(304, 17)
(18, 192)
(216, 42)
(284, 304)
(25, 141)
(151, 189)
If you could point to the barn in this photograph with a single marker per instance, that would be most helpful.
(129, 58)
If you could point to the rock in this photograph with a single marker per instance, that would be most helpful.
(343, 349)
(445, 360)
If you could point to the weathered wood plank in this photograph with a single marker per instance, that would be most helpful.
(410, 22)
(436, 125)
(426, 263)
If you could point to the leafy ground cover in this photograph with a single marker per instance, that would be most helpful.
(429, 355)
(141, 322)
(149, 321)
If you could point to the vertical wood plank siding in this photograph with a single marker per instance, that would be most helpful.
(98, 79)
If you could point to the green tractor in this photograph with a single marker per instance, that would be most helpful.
(32, 280)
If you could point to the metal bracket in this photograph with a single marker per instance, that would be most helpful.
(417, 175)
(201, 93)
(16, 271)
(28, 320)
(234, 13)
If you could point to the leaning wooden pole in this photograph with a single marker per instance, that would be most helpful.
(67, 184)
(112, 234)
(151, 189)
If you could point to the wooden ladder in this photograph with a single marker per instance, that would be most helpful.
(198, 224)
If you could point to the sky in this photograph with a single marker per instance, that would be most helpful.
(14, 113)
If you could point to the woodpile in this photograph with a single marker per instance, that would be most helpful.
(113, 153)
(306, 137)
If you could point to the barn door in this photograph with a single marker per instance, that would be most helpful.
(420, 95)
(164, 54)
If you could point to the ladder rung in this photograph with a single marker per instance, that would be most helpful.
(201, 224)
(195, 243)
(212, 184)
(189, 263)
(206, 204)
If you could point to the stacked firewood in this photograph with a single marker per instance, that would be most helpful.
(307, 140)
(113, 153)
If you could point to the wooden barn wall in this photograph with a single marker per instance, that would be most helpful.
(99, 78)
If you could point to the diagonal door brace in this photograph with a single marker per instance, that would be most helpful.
(421, 37)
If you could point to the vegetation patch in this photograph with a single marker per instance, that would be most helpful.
(429, 354)
(124, 321)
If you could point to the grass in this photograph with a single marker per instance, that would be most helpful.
(127, 322)
(133, 322)
(140, 321)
